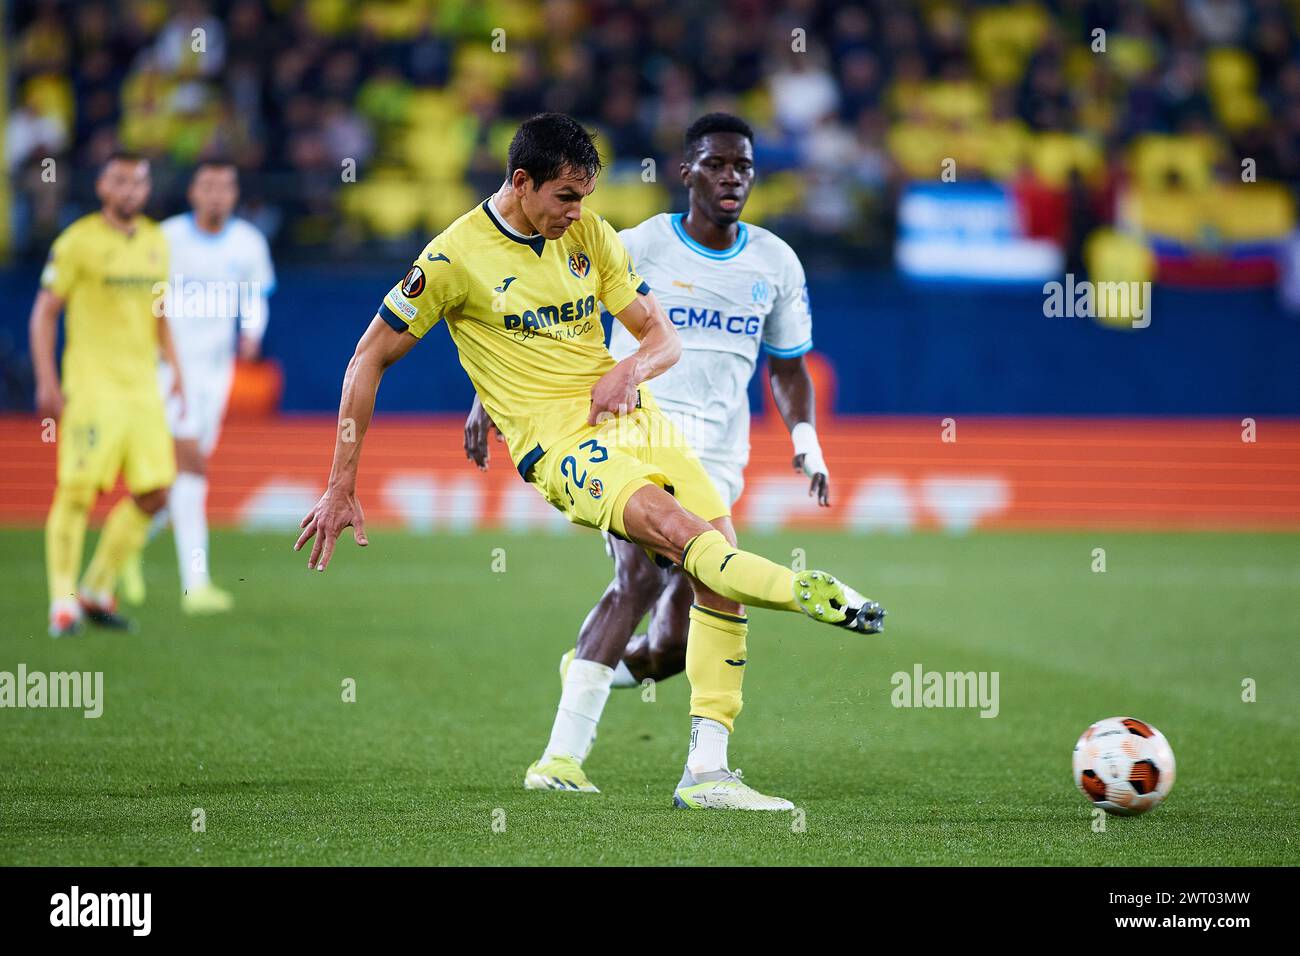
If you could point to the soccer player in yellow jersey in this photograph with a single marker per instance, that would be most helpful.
(518, 280)
(106, 273)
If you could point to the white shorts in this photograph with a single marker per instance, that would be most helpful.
(207, 390)
(728, 479)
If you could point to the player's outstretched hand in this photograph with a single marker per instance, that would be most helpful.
(615, 393)
(335, 511)
(820, 485)
(477, 428)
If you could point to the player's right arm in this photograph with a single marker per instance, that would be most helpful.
(411, 308)
(57, 279)
(43, 331)
(338, 507)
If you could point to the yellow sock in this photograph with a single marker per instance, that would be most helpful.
(65, 537)
(739, 575)
(715, 664)
(124, 535)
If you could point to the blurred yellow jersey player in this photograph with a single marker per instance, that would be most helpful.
(518, 280)
(107, 273)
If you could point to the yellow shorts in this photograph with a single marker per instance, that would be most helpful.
(590, 473)
(100, 438)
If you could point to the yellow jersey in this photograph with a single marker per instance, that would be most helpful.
(109, 282)
(524, 315)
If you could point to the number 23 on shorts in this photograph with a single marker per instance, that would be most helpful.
(594, 453)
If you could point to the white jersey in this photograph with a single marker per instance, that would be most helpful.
(217, 282)
(726, 305)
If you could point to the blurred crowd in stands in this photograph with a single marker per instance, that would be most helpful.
(362, 126)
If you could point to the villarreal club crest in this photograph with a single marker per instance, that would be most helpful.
(579, 264)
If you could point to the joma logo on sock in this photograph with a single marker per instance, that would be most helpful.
(79, 690)
(922, 688)
(103, 909)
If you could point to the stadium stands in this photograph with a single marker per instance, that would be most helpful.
(1153, 106)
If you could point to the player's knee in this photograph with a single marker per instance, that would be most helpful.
(678, 526)
(151, 502)
(716, 602)
(637, 577)
(727, 529)
(190, 459)
(74, 497)
(667, 656)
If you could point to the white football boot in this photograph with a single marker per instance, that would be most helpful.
(722, 790)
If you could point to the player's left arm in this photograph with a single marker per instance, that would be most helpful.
(627, 296)
(254, 308)
(792, 387)
(163, 295)
(787, 338)
(168, 348)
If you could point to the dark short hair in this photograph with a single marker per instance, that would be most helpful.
(213, 162)
(547, 144)
(714, 123)
(121, 156)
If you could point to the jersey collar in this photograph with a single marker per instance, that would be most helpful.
(203, 234)
(742, 238)
(536, 243)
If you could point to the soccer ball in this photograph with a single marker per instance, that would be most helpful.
(1124, 765)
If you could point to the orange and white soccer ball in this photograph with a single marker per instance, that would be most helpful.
(1124, 765)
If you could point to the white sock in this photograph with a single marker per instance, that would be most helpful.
(708, 751)
(586, 688)
(623, 677)
(188, 505)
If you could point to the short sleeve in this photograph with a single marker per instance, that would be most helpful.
(60, 272)
(787, 333)
(619, 281)
(435, 284)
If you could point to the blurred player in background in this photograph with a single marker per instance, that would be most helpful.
(517, 278)
(221, 277)
(106, 272)
(730, 288)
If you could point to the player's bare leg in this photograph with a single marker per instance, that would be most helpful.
(660, 653)
(636, 587)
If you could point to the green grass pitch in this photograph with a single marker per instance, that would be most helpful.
(456, 684)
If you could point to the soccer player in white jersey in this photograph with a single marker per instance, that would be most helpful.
(221, 277)
(731, 289)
